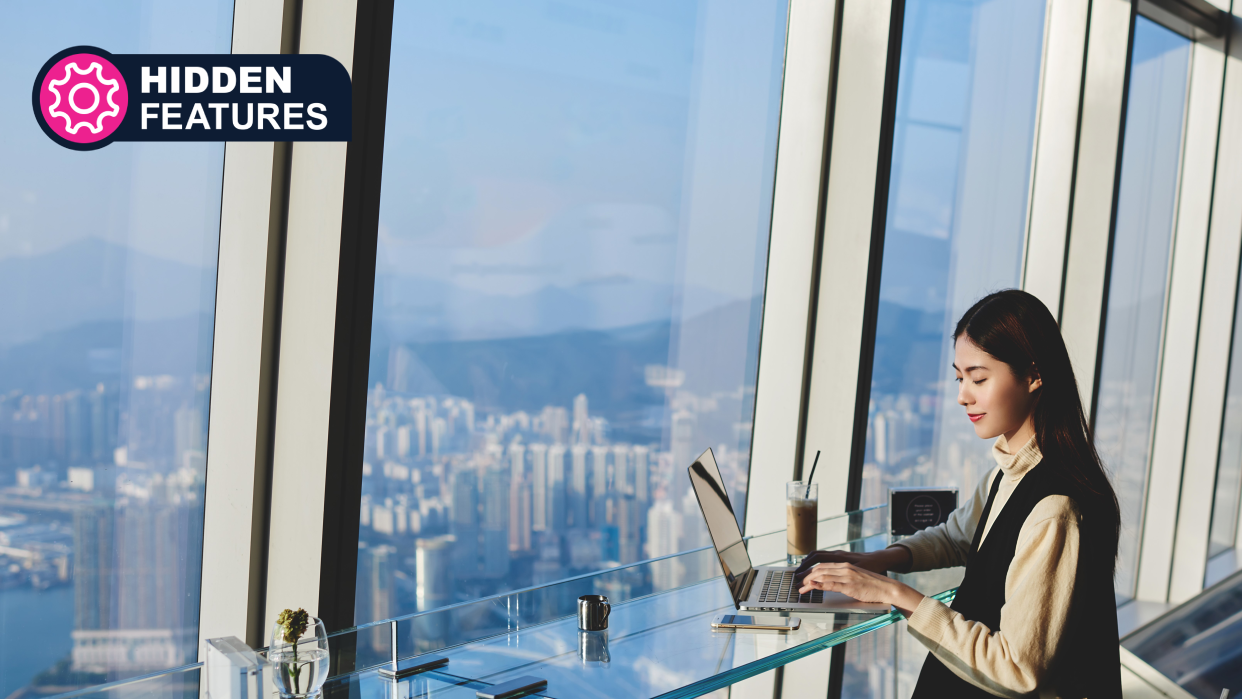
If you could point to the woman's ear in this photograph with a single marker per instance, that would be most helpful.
(1036, 382)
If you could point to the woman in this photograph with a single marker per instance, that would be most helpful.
(1035, 613)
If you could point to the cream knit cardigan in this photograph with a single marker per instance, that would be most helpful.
(1013, 660)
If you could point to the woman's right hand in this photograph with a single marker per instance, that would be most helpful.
(894, 558)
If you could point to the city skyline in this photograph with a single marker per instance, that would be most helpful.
(471, 504)
(102, 488)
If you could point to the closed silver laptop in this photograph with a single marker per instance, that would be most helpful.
(766, 588)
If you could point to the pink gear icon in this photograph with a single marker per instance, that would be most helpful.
(83, 98)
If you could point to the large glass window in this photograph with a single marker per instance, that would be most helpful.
(572, 248)
(1228, 491)
(957, 205)
(107, 275)
(1138, 277)
(964, 135)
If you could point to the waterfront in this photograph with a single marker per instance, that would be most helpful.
(34, 633)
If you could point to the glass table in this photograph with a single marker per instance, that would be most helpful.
(659, 646)
(659, 643)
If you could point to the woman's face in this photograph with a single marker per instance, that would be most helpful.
(996, 401)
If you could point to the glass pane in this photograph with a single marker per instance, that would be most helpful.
(107, 271)
(1147, 195)
(1229, 468)
(181, 683)
(1197, 645)
(659, 640)
(572, 245)
(965, 129)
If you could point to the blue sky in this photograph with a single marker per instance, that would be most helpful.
(161, 199)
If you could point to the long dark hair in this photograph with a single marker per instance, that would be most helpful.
(1017, 328)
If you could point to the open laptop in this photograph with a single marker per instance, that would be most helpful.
(766, 588)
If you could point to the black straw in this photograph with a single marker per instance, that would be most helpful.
(808, 481)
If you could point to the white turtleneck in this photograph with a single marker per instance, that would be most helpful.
(1015, 659)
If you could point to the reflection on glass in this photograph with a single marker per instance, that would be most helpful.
(572, 245)
(955, 230)
(1229, 468)
(1196, 644)
(107, 275)
(964, 136)
(1147, 195)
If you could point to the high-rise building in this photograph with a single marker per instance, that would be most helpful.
(189, 432)
(439, 430)
(582, 420)
(694, 535)
(539, 487)
(104, 418)
(682, 438)
(403, 441)
(433, 562)
(135, 594)
(520, 516)
(629, 529)
(418, 411)
(495, 507)
(519, 496)
(578, 486)
(517, 461)
(376, 598)
(383, 443)
(556, 487)
(599, 471)
(621, 469)
(596, 503)
(77, 429)
(663, 539)
(465, 521)
(58, 429)
(92, 567)
(640, 472)
(880, 434)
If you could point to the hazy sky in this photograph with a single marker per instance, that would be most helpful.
(531, 144)
(162, 199)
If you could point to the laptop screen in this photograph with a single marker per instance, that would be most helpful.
(721, 522)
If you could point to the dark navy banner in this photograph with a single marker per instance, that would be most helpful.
(84, 98)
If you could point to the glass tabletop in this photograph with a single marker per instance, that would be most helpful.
(659, 643)
(660, 646)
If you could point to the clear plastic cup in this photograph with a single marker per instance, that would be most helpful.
(801, 513)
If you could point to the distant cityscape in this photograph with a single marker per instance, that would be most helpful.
(103, 492)
(914, 441)
(460, 503)
(102, 495)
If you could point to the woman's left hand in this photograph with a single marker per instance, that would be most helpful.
(863, 585)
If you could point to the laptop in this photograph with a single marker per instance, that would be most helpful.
(766, 588)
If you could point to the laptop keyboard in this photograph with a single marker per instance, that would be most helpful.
(779, 588)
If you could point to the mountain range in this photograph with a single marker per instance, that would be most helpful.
(92, 280)
(65, 324)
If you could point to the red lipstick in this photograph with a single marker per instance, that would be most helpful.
(975, 418)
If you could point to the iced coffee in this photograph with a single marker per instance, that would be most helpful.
(801, 511)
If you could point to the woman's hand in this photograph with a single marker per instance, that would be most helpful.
(892, 558)
(861, 584)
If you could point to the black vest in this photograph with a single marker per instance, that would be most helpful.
(1088, 662)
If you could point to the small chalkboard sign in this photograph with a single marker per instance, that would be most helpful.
(914, 509)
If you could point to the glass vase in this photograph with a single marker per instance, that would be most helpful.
(300, 667)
